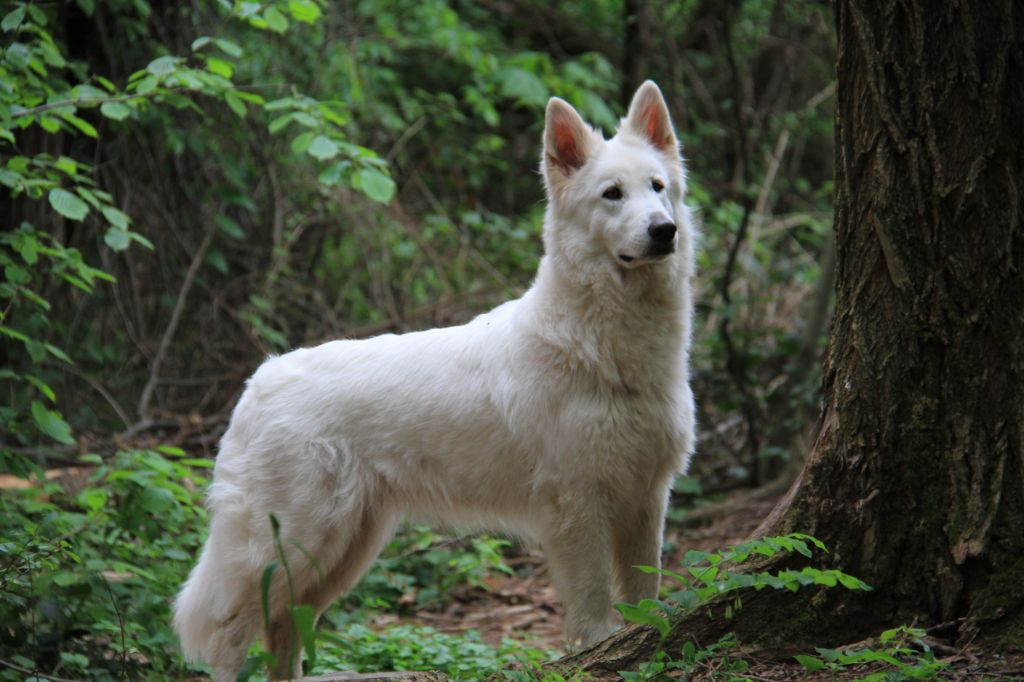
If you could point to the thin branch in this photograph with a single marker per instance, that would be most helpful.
(95, 101)
(120, 623)
(172, 326)
(36, 673)
(99, 388)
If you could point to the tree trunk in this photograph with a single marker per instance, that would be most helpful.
(917, 478)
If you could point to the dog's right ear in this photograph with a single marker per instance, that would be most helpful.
(568, 141)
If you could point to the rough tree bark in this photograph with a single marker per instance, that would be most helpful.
(916, 478)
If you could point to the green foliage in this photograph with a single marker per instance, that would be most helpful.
(37, 92)
(717, 658)
(417, 562)
(86, 578)
(706, 578)
(420, 568)
(902, 654)
(404, 647)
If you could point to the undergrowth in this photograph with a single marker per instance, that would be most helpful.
(89, 567)
(90, 564)
(718, 579)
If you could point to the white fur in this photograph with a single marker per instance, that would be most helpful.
(561, 416)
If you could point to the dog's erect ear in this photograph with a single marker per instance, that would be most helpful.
(567, 138)
(648, 117)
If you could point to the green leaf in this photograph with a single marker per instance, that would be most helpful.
(116, 217)
(215, 257)
(229, 227)
(87, 128)
(163, 66)
(13, 333)
(236, 104)
(92, 499)
(51, 423)
(268, 575)
(523, 86)
(642, 613)
(115, 110)
(220, 67)
(304, 10)
(146, 85)
(810, 663)
(68, 165)
(375, 185)
(43, 387)
(333, 174)
(13, 19)
(136, 237)
(301, 142)
(58, 353)
(38, 15)
(90, 197)
(117, 239)
(303, 618)
(323, 148)
(280, 122)
(67, 204)
(275, 20)
(16, 274)
(229, 47)
(250, 97)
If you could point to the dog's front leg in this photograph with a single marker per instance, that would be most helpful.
(578, 548)
(636, 541)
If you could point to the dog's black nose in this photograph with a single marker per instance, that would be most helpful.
(662, 233)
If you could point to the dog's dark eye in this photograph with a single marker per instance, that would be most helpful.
(657, 186)
(612, 193)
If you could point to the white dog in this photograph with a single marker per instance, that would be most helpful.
(562, 416)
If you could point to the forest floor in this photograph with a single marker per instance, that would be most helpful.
(524, 607)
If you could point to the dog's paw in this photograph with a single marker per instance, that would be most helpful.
(587, 635)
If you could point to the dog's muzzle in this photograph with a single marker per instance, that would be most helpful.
(662, 239)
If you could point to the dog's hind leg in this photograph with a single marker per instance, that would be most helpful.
(217, 613)
(364, 546)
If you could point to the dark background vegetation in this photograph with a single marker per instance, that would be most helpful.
(249, 211)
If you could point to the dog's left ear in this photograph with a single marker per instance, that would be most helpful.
(648, 117)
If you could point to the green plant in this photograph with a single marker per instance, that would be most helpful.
(420, 568)
(86, 577)
(403, 647)
(902, 653)
(418, 561)
(42, 88)
(353, 646)
(707, 578)
(692, 658)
